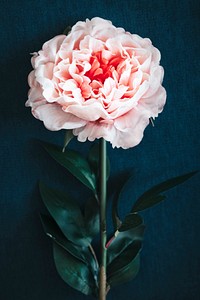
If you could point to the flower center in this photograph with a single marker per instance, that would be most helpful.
(101, 68)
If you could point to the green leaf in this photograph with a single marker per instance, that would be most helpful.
(66, 213)
(131, 220)
(148, 202)
(82, 253)
(128, 254)
(93, 159)
(126, 266)
(152, 197)
(53, 231)
(91, 217)
(74, 163)
(74, 272)
(119, 190)
(67, 30)
(122, 240)
(68, 137)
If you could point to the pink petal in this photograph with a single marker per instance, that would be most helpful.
(155, 103)
(31, 79)
(130, 128)
(55, 118)
(33, 95)
(44, 71)
(35, 98)
(95, 130)
(108, 86)
(91, 43)
(49, 51)
(91, 110)
(118, 108)
(155, 80)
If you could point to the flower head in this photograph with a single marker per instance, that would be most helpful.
(99, 81)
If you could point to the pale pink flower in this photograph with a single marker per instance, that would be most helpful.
(99, 81)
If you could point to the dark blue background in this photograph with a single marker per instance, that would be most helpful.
(170, 256)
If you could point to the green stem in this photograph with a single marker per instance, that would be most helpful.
(103, 237)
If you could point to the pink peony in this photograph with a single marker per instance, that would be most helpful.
(100, 81)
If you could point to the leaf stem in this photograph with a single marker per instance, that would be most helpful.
(103, 237)
(94, 255)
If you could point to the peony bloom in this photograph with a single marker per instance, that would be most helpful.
(100, 81)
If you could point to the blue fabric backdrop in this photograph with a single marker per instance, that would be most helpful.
(170, 256)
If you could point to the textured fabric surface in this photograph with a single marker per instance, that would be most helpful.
(170, 256)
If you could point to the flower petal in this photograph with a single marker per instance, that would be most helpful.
(55, 118)
(91, 110)
(155, 103)
(95, 130)
(130, 128)
(48, 52)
